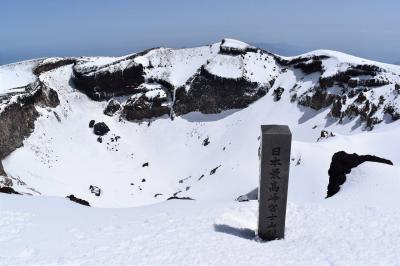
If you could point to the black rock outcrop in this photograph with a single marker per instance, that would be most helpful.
(179, 198)
(47, 65)
(95, 190)
(8, 190)
(213, 94)
(112, 107)
(140, 107)
(99, 83)
(78, 200)
(100, 129)
(17, 120)
(91, 123)
(342, 163)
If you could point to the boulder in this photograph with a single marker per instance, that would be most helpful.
(8, 190)
(278, 93)
(100, 129)
(78, 200)
(342, 163)
(95, 190)
(91, 123)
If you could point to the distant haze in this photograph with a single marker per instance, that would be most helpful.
(31, 29)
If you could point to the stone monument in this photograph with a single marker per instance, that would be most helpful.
(274, 176)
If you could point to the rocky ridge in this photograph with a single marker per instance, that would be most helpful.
(231, 75)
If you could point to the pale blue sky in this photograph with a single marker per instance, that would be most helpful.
(86, 27)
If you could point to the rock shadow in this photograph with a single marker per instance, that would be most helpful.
(309, 113)
(200, 117)
(245, 233)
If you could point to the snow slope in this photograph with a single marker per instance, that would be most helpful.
(16, 75)
(358, 226)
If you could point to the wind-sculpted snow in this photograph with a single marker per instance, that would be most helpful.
(184, 123)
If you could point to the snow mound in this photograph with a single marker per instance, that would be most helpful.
(234, 44)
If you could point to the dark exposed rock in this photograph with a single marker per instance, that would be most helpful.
(361, 98)
(342, 163)
(101, 83)
(336, 110)
(95, 190)
(50, 65)
(374, 82)
(180, 198)
(145, 164)
(91, 123)
(100, 129)
(347, 77)
(112, 107)
(293, 97)
(78, 200)
(2, 172)
(325, 134)
(353, 83)
(17, 120)
(49, 97)
(212, 94)
(16, 123)
(310, 67)
(297, 60)
(206, 141)
(7, 182)
(157, 194)
(142, 107)
(214, 170)
(392, 111)
(143, 180)
(99, 140)
(319, 99)
(272, 82)
(278, 93)
(365, 110)
(8, 190)
(397, 88)
(57, 117)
